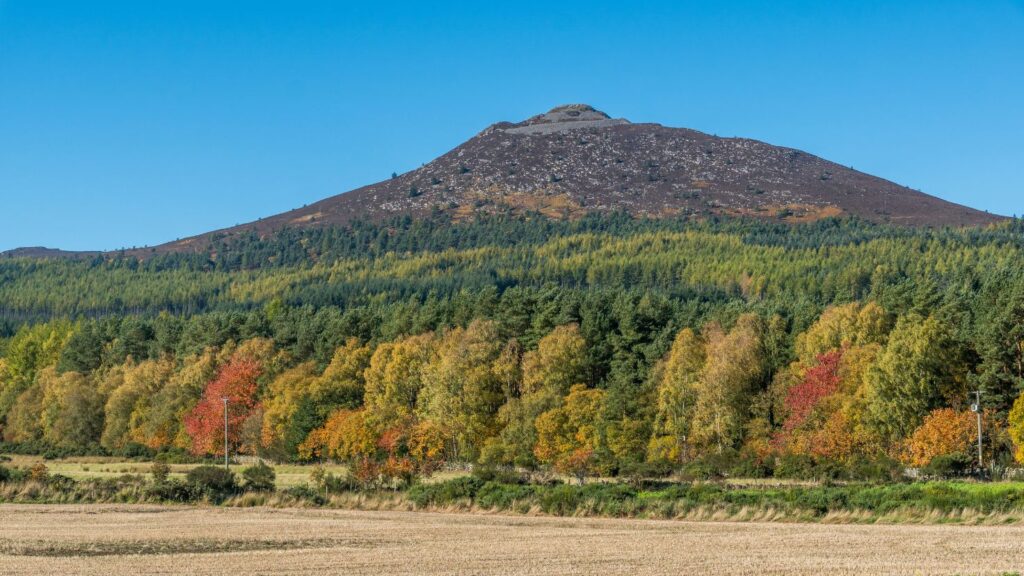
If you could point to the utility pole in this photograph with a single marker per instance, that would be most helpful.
(224, 399)
(976, 408)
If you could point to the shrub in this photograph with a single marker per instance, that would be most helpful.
(5, 474)
(495, 495)
(177, 456)
(795, 466)
(173, 491)
(39, 473)
(160, 471)
(306, 493)
(499, 475)
(949, 466)
(134, 451)
(445, 492)
(259, 478)
(215, 482)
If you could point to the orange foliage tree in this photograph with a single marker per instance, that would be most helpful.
(236, 381)
(943, 432)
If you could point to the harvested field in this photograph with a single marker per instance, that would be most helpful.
(42, 539)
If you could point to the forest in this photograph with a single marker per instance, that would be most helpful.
(606, 346)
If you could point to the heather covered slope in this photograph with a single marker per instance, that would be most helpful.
(575, 160)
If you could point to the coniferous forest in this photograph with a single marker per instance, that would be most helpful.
(608, 345)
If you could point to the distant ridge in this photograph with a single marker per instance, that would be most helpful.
(42, 252)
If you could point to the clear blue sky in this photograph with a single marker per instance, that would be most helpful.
(134, 123)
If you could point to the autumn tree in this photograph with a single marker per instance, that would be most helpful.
(72, 411)
(237, 382)
(343, 383)
(943, 432)
(571, 436)
(165, 412)
(461, 388)
(676, 378)
(843, 326)
(30, 350)
(1015, 426)
(819, 382)
(548, 373)
(394, 378)
(131, 390)
(289, 411)
(558, 363)
(727, 384)
(347, 436)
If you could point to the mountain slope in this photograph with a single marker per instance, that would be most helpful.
(575, 159)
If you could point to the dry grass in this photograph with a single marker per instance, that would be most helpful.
(169, 540)
(101, 467)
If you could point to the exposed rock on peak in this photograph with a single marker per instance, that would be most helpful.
(568, 117)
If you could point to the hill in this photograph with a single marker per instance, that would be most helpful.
(575, 160)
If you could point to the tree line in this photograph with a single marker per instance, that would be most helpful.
(609, 346)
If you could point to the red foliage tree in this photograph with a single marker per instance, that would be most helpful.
(819, 382)
(235, 381)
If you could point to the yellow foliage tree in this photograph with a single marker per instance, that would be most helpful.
(557, 363)
(288, 411)
(347, 435)
(843, 326)
(726, 386)
(394, 378)
(571, 437)
(1015, 427)
(461, 388)
(677, 378)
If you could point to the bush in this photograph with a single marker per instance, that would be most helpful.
(160, 471)
(215, 482)
(445, 492)
(949, 466)
(498, 496)
(173, 491)
(39, 473)
(259, 478)
(176, 456)
(134, 451)
(306, 493)
(795, 466)
(710, 466)
(5, 474)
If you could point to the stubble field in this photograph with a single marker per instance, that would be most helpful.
(95, 539)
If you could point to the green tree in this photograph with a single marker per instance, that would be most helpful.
(919, 369)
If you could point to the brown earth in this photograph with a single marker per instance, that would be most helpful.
(104, 540)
